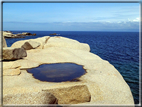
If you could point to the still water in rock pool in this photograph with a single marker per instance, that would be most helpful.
(57, 72)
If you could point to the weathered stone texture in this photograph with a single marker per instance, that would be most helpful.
(10, 53)
(30, 98)
(30, 45)
(71, 94)
(102, 80)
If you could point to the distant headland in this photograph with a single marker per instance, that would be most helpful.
(9, 34)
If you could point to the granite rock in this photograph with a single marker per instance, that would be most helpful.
(10, 53)
(103, 81)
(30, 98)
(72, 94)
(30, 45)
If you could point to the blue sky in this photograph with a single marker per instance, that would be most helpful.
(71, 16)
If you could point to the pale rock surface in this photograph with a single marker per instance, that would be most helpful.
(30, 45)
(10, 72)
(41, 40)
(18, 44)
(10, 53)
(23, 64)
(104, 82)
(30, 98)
(7, 34)
(10, 65)
(58, 41)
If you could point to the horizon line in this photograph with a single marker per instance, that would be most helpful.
(69, 31)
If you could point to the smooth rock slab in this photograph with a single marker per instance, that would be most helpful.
(10, 72)
(30, 98)
(30, 45)
(10, 53)
(66, 43)
(23, 64)
(72, 94)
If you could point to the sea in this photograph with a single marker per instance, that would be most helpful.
(121, 49)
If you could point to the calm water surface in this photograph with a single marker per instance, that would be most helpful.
(58, 72)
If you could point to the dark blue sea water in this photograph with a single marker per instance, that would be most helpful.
(121, 49)
(45, 72)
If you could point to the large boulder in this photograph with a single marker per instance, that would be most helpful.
(10, 53)
(4, 42)
(30, 45)
(71, 94)
(103, 81)
(30, 98)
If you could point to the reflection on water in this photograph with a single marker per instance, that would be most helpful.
(57, 72)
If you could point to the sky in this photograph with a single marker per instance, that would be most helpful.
(71, 16)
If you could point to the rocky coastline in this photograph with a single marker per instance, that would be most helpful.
(9, 34)
(102, 84)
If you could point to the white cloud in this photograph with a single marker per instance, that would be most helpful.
(74, 26)
(133, 19)
(136, 19)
